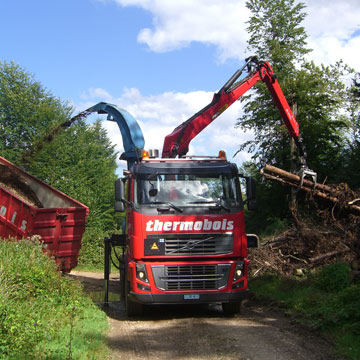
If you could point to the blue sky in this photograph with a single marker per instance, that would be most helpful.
(74, 45)
(161, 60)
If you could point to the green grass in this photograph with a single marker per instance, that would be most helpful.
(44, 315)
(326, 301)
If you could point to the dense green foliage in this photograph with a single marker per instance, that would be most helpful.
(27, 111)
(276, 33)
(326, 110)
(78, 160)
(42, 313)
(325, 300)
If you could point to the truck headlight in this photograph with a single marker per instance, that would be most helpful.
(239, 270)
(141, 273)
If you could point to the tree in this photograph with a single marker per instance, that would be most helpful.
(276, 36)
(276, 33)
(315, 93)
(321, 98)
(81, 162)
(27, 111)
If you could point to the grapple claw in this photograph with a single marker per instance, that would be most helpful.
(305, 172)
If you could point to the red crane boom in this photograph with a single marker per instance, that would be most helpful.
(177, 143)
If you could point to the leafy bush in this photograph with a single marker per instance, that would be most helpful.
(333, 278)
(41, 311)
(92, 249)
(91, 255)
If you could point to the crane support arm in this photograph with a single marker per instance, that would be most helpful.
(177, 143)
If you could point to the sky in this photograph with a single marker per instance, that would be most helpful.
(161, 60)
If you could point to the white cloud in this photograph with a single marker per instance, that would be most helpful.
(178, 23)
(96, 93)
(333, 29)
(331, 26)
(339, 18)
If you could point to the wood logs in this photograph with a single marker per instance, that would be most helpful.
(333, 194)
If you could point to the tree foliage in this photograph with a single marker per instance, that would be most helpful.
(80, 161)
(276, 35)
(276, 32)
(316, 94)
(27, 111)
(322, 98)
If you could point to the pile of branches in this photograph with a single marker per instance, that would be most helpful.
(328, 232)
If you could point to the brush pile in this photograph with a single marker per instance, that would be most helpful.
(328, 233)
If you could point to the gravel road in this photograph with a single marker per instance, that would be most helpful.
(203, 332)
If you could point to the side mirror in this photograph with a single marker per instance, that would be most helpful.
(119, 195)
(251, 193)
(253, 241)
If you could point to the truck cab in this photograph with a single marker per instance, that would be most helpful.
(185, 234)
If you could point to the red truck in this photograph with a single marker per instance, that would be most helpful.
(184, 238)
(58, 219)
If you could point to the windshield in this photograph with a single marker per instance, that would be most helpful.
(188, 190)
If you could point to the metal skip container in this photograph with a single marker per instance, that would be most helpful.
(30, 207)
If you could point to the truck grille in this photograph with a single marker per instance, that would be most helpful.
(191, 277)
(195, 244)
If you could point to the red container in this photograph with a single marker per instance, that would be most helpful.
(60, 223)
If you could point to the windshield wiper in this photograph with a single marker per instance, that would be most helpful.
(202, 202)
(164, 203)
(216, 206)
(220, 206)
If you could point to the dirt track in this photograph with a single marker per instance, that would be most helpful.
(203, 332)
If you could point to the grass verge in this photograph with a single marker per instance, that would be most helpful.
(44, 315)
(325, 300)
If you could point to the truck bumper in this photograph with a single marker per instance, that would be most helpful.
(188, 298)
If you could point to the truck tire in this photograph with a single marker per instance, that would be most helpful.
(132, 308)
(231, 308)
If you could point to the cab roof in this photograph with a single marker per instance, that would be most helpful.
(181, 166)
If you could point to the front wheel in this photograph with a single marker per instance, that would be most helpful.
(231, 308)
(132, 308)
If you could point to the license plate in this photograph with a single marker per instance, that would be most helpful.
(191, 297)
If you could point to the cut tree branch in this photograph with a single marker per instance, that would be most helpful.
(329, 254)
(319, 190)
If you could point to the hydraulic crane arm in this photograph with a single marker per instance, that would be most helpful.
(177, 143)
(133, 139)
